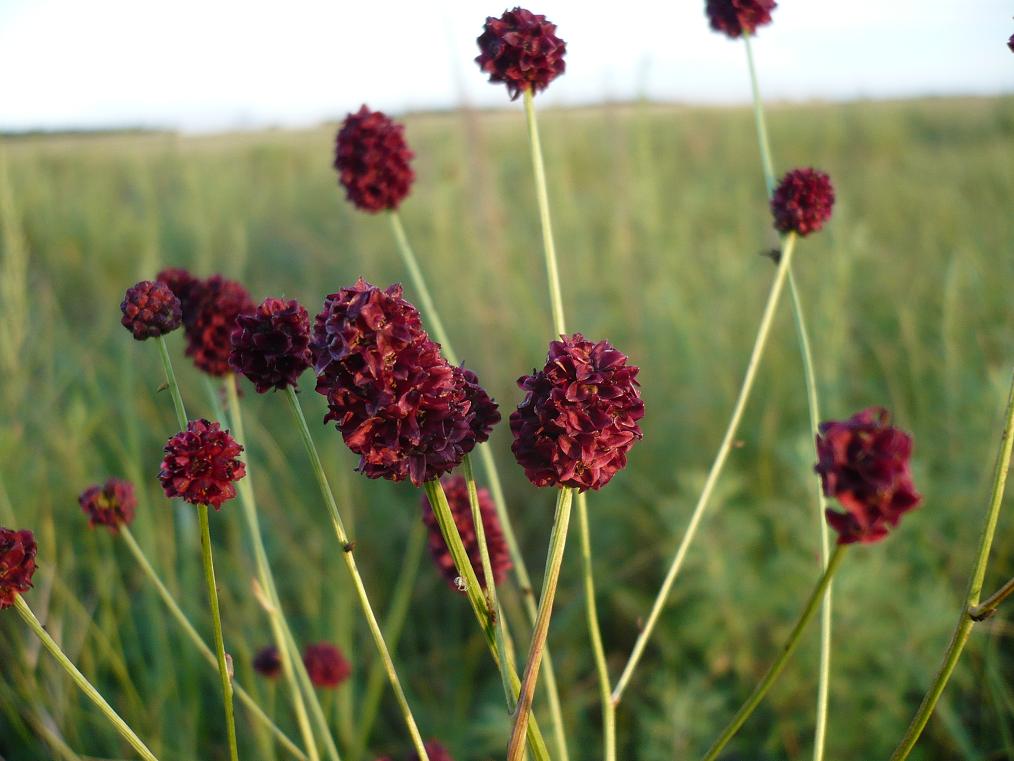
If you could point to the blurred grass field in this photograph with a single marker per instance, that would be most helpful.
(660, 219)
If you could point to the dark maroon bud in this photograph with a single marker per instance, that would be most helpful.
(521, 50)
(111, 504)
(802, 201)
(150, 310)
(201, 465)
(270, 345)
(215, 303)
(267, 662)
(733, 17)
(373, 160)
(17, 564)
(185, 286)
(325, 665)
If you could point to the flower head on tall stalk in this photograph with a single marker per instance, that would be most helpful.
(521, 50)
(373, 161)
(398, 403)
(864, 464)
(456, 490)
(270, 345)
(209, 318)
(184, 286)
(17, 564)
(579, 417)
(111, 504)
(150, 310)
(734, 17)
(201, 465)
(802, 201)
(268, 662)
(326, 665)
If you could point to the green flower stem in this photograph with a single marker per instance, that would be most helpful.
(205, 651)
(557, 544)
(80, 680)
(988, 608)
(809, 377)
(783, 658)
(724, 448)
(293, 668)
(174, 388)
(350, 561)
(602, 669)
(965, 621)
(216, 621)
(473, 591)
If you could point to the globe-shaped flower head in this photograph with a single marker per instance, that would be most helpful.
(802, 201)
(17, 564)
(201, 465)
(111, 504)
(267, 662)
(215, 303)
(150, 310)
(270, 345)
(733, 17)
(184, 286)
(325, 665)
(521, 50)
(863, 462)
(373, 160)
(579, 416)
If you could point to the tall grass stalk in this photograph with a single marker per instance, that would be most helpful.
(963, 628)
(813, 407)
(80, 680)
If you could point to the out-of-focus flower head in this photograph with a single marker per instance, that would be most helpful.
(802, 201)
(17, 564)
(733, 17)
(111, 504)
(325, 665)
(373, 160)
(267, 662)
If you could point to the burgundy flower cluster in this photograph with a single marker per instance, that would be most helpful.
(201, 465)
(111, 504)
(733, 17)
(325, 665)
(150, 310)
(802, 201)
(456, 489)
(863, 462)
(398, 403)
(579, 416)
(17, 564)
(270, 345)
(267, 662)
(1010, 43)
(373, 160)
(521, 50)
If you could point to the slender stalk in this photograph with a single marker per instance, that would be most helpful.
(174, 388)
(988, 608)
(473, 592)
(349, 555)
(602, 669)
(292, 663)
(963, 628)
(824, 677)
(783, 658)
(557, 544)
(81, 681)
(181, 618)
(724, 448)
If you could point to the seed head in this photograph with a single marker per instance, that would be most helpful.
(17, 564)
(802, 201)
(201, 465)
(325, 665)
(521, 50)
(733, 17)
(373, 160)
(150, 310)
(270, 345)
(111, 504)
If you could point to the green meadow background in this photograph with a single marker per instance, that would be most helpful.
(660, 221)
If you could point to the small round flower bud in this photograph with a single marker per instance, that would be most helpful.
(325, 665)
(270, 345)
(802, 201)
(184, 285)
(373, 160)
(521, 49)
(111, 504)
(201, 465)
(17, 564)
(267, 662)
(733, 17)
(150, 310)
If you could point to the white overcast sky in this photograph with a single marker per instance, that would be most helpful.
(218, 64)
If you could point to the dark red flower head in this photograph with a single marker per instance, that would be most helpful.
(863, 462)
(733, 17)
(325, 665)
(397, 402)
(802, 201)
(521, 50)
(201, 464)
(150, 310)
(215, 303)
(270, 345)
(373, 160)
(456, 490)
(17, 564)
(267, 662)
(579, 416)
(434, 750)
(111, 504)
(185, 286)
(1010, 43)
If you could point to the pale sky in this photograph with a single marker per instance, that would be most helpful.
(220, 64)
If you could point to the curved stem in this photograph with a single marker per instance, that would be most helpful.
(759, 120)
(783, 658)
(608, 709)
(80, 680)
(557, 544)
(174, 388)
(724, 448)
(181, 618)
(965, 622)
(349, 556)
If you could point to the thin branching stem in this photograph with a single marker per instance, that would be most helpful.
(988, 608)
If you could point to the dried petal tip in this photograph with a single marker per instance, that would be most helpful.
(521, 50)
(270, 345)
(733, 17)
(456, 490)
(267, 662)
(863, 462)
(326, 665)
(802, 201)
(373, 161)
(434, 750)
(200, 465)
(111, 504)
(150, 310)
(579, 416)
(17, 564)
